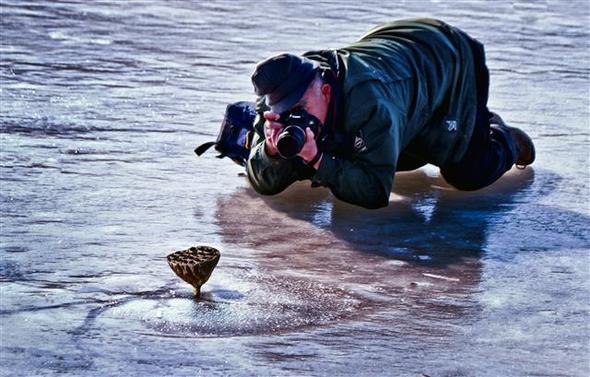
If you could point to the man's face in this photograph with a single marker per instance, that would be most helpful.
(316, 99)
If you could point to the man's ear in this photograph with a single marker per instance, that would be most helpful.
(326, 90)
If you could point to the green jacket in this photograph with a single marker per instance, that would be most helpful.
(408, 89)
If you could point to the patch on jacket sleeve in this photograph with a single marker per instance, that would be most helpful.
(451, 125)
(359, 143)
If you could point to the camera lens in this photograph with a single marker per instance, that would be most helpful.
(290, 141)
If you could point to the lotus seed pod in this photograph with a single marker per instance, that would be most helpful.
(194, 265)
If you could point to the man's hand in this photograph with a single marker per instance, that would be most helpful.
(272, 130)
(310, 148)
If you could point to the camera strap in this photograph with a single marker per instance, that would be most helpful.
(315, 159)
(204, 147)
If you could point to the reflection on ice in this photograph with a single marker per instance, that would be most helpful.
(420, 256)
(426, 221)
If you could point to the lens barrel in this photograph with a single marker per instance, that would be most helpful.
(290, 142)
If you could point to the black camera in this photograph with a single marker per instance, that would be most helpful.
(292, 138)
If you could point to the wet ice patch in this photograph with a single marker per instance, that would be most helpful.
(279, 305)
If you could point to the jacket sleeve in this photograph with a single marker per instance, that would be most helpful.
(366, 180)
(269, 175)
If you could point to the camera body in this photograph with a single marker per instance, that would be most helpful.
(292, 138)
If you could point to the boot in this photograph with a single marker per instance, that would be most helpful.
(524, 144)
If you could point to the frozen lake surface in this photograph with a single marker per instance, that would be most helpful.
(101, 106)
